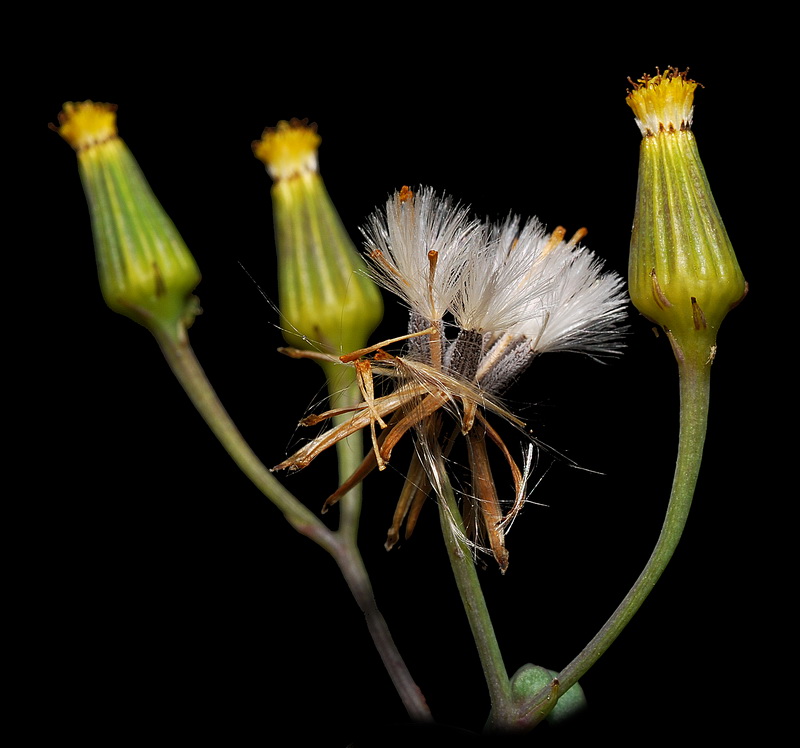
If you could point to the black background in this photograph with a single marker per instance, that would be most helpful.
(172, 599)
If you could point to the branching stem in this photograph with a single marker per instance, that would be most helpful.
(340, 544)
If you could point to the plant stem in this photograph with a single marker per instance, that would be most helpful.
(695, 376)
(355, 574)
(190, 374)
(341, 545)
(350, 452)
(494, 669)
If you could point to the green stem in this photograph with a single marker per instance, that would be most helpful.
(695, 376)
(190, 374)
(341, 545)
(350, 451)
(469, 587)
(355, 574)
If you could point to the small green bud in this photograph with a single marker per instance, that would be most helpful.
(683, 273)
(531, 679)
(324, 295)
(146, 272)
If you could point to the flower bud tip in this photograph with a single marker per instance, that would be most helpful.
(86, 123)
(145, 270)
(289, 149)
(663, 101)
(683, 272)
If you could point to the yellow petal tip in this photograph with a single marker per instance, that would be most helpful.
(288, 150)
(86, 123)
(663, 102)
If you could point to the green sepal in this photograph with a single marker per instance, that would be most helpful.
(146, 271)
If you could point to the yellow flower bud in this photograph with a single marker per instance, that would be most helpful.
(683, 273)
(325, 297)
(146, 272)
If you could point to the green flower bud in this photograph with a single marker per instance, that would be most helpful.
(146, 272)
(683, 273)
(325, 298)
(530, 679)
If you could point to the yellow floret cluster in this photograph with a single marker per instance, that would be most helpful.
(85, 123)
(288, 150)
(663, 101)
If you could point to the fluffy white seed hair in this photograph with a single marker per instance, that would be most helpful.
(510, 278)
(580, 308)
(526, 281)
(499, 280)
(400, 238)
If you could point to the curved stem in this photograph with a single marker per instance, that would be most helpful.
(355, 574)
(350, 452)
(190, 374)
(469, 587)
(341, 545)
(695, 376)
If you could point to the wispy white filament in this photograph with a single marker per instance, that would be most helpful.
(500, 280)
(399, 241)
(580, 308)
(509, 278)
